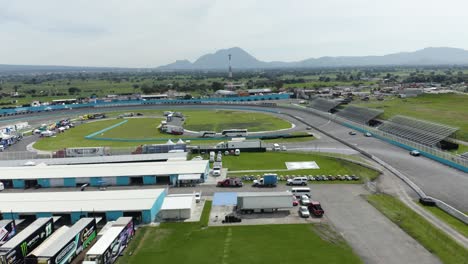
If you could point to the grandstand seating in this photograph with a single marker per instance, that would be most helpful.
(423, 132)
(359, 114)
(324, 104)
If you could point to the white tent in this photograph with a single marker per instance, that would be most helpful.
(180, 141)
(170, 142)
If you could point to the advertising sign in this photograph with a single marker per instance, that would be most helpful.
(73, 248)
(119, 244)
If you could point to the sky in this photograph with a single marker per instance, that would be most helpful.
(150, 33)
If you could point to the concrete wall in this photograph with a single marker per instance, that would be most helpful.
(147, 180)
(18, 184)
(148, 216)
(113, 215)
(43, 215)
(44, 182)
(69, 182)
(123, 180)
(95, 181)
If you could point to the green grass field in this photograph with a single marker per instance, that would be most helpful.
(276, 161)
(434, 240)
(219, 120)
(452, 221)
(75, 137)
(181, 243)
(449, 109)
(145, 128)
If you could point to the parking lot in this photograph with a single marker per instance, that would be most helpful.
(284, 216)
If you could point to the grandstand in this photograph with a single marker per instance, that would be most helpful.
(360, 115)
(324, 104)
(416, 130)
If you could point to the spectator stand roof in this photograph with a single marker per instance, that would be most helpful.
(360, 115)
(324, 104)
(423, 132)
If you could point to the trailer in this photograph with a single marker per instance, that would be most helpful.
(69, 245)
(112, 243)
(173, 130)
(260, 202)
(160, 148)
(16, 249)
(8, 229)
(239, 144)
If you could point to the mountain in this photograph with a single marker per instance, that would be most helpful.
(218, 60)
(243, 60)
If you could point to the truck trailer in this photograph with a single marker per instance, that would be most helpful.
(68, 245)
(8, 230)
(112, 243)
(16, 249)
(239, 144)
(260, 202)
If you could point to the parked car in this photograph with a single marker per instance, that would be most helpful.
(355, 178)
(304, 212)
(295, 201)
(331, 178)
(348, 178)
(367, 134)
(197, 197)
(305, 200)
(352, 133)
(297, 181)
(308, 128)
(315, 208)
(415, 153)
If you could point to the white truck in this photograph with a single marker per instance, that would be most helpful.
(239, 144)
(260, 202)
(217, 167)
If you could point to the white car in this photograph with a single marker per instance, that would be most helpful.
(297, 181)
(305, 200)
(197, 197)
(216, 172)
(367, 134)
(304, 212)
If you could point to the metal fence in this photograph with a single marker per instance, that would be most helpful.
(433, 153)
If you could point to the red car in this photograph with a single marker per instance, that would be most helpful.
(315, 208)
(295, 201)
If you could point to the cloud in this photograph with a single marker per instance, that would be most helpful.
(146, 33)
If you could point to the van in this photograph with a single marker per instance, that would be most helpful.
(212, 156)
(276, 147)
(299, 191)
(297, 181)
(2, 186)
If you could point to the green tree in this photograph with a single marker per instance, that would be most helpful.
(73, 90)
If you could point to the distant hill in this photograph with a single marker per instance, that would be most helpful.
(34, 69)
(243, 60)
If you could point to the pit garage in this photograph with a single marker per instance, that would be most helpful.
(143, 204)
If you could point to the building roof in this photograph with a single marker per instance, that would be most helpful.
(105, 240)
(76, 201)
(66, 237)
(263, 194)
(49, 241)
(105, 170)
(177, 202)
(99, 159)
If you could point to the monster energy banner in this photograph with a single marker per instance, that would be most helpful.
(73, 248)
(16, 254)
